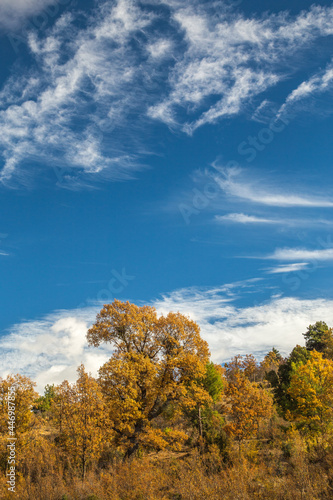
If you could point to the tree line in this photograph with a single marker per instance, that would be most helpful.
(160, 397)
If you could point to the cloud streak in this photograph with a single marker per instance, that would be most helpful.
(301, 254)
(240, 218)
(229, 182)
(246, 219)
(317, 84)
(290, 268)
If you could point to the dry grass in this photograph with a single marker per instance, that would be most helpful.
(259, 471)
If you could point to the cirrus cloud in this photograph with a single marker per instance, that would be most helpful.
(91, 85)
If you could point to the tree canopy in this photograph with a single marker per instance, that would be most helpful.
(314, 336)
(311, 387)
(157, 363)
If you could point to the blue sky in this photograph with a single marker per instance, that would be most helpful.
(173, 153)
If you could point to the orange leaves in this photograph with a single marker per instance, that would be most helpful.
(159, 439)
(157, 362)
(80, 414)
(138, 329)
(271, 362)
(125, 325)
(25, 396)
(247, 404)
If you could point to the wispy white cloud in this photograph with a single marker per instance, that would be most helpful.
(253, 191)
(87, 82)
(161, 49)
(232, 59)
(240, 218)
(90, 87)
(289, 268)
(319, 83)
(302, 254)
(14, 12)
(265, 112)
(246, 219)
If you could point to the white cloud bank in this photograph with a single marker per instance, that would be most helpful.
(49, 350)
(232, 330)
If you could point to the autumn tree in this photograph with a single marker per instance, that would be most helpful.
(269, 366)
(80, 413)
(156, 364)
(242, 364)
(23, 397)
(247, 404)
(311, 388)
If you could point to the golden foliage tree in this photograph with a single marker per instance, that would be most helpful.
(270, 365)
(80, 414)
(23, 398)
(246, 406)
(271, 361)
(247, 365)
(311, 387)
(156, 364)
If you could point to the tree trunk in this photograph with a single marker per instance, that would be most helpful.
(200, 421)
(131, 451)
(134, 439)
(84, 465)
